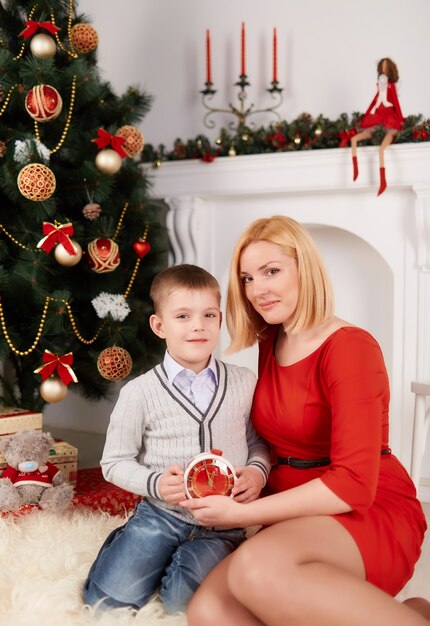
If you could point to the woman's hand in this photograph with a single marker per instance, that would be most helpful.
(216, 511)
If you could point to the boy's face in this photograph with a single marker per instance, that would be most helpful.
(189, 320)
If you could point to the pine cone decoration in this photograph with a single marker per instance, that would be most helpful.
(92, 211)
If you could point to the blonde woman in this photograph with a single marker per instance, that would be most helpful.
(342, 527)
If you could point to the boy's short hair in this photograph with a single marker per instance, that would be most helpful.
(183, 276)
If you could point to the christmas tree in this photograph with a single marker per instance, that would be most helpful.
(79, 238)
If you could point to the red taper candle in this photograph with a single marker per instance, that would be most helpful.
(242, 51)
(208, 58)
(275, 57)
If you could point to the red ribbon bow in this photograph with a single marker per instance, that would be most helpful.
(345, 137)
(61, 364)
(32, 27)
(105, 139)
(57, 234)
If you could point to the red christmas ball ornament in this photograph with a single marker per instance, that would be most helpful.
(134, 142)
(43, 103)
(103, 255)
(36, 182)
(84, 38)
(114, 363)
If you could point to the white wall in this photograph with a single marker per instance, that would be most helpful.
(327, 55)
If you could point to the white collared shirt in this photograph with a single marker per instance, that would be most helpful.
(198, 388)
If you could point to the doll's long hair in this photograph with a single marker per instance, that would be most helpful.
(392, 71)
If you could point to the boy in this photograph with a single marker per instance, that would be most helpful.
(186, 405)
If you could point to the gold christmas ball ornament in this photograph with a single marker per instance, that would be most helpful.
(114, 363)
(92, 210)
(134, 142)
(103, 255)
(43, 103)
(43, 46)
(63, 257)
(53, 389)
(108, 161)
(84, 38)
(36, 182)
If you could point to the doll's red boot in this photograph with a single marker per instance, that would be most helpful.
(383, 182)
(354, 168)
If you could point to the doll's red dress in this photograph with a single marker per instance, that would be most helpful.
(388, 116)
(334, 403)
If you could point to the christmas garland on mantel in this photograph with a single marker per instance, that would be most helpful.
(304, 133)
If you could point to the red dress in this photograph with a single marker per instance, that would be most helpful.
(334, 403)
(388, 116)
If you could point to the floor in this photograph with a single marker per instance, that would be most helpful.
(90, 447)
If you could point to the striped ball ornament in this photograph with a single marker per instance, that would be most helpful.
(43, 103)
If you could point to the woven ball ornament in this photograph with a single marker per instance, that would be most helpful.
(103, 255)
(36, 182)
(134, 142)
(84, 38)
(114, 363)
(43, 103)
(43, 46)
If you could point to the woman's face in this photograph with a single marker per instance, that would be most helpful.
(271, 281)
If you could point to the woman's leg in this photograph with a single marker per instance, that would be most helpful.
(310, 571)
(214, 605)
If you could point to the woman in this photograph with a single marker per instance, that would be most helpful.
(342, 511)
(383, 110)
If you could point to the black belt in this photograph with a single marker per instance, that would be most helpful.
(308, 463)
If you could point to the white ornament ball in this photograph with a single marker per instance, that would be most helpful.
(108, 161)
(53, 389)
(43, 46)
(63, 257)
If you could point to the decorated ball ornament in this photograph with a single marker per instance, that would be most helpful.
(36, 182)
(209, 474)
(43, 103)
(103, 255)
(84, 38)
(114, 363)
(63, 257)
(134, 142)
(53, 389)
(43, 46)
(108, 161)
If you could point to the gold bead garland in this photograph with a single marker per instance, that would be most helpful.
(120, 221)
(18, 243)
(8, 97)
(136, 267)
(68, 120)
(21, 52)
(71, 53)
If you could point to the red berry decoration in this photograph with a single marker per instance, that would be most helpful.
(43, 103)
(103, 255)
(114, 363)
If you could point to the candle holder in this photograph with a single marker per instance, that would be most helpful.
(241, 112)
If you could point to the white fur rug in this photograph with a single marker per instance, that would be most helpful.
(45, 558)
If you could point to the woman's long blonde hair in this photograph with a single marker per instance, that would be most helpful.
(315, 300)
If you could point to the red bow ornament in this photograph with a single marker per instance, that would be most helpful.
(345, 137)
(60, 364)
(57, 234)
(106, 139)
(32, 27)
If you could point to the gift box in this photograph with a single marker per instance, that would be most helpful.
(13, 419)
(94, 491)
(63, 455)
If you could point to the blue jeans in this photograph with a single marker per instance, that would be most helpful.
(155, 550)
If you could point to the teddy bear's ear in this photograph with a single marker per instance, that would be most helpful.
(47, 438)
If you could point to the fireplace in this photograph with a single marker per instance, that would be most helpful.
(377, 249)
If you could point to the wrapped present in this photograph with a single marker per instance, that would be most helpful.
(13, 419)
(94, 491)
(63, 455)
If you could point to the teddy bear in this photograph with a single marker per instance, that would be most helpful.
(29, 478)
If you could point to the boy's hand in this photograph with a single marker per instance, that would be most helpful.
(171, 485)
(248, 485)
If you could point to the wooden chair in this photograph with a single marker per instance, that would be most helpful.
(421, 423)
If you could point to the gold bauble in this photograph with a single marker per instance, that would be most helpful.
(108, 161)
(133, 140)
(43, 46)
(36, 182)
(53, 389)
(65, 258)
(114, 363)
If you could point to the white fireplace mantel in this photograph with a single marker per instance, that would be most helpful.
(377, 248)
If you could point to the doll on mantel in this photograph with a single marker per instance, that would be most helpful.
(383, 110)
